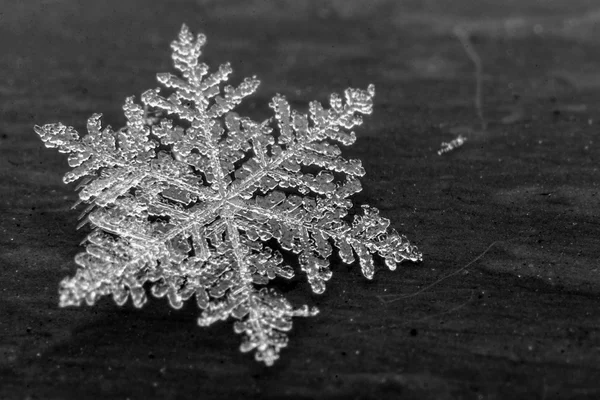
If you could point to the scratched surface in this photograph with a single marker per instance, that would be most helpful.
(505, 304)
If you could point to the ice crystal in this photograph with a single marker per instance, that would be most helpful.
(451, 145)
(195, 200)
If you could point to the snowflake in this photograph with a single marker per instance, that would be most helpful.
(195, 200)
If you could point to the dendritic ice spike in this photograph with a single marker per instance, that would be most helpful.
(192, 200)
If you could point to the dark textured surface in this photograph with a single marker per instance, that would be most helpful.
(512, 215)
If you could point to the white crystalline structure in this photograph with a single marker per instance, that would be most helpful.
(451, 145)
(193, 200)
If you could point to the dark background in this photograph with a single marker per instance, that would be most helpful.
(512, 216)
